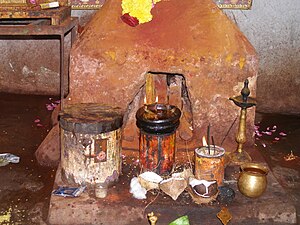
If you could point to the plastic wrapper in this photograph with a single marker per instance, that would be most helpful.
(6, 158)
(69, 191)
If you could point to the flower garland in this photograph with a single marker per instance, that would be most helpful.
(139, 9)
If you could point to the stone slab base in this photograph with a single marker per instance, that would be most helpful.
(120, 208)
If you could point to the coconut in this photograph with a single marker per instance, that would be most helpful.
(173, 186)
(186, 174)
(204, 188)
(149, 180)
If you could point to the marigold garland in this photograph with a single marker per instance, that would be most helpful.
(140, 9)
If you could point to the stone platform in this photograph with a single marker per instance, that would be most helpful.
(120, 208)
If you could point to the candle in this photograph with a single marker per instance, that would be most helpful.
(145, 103)
(205, 145)
(156, 101)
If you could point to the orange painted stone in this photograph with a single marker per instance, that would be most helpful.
(192, 38)
(48, 153)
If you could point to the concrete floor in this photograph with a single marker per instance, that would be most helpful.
(25, 187)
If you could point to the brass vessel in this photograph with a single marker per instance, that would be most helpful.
(252, 181)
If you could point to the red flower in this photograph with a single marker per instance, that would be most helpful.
(130, 20)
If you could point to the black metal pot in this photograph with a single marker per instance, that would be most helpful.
(158, 118)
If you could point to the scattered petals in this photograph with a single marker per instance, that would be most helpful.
(267, 132)
(277, 138)
(49, 107)
(282, 134)
(264, 145)
(38, 122)
(52, 105)
(274, 127)
(259, 134)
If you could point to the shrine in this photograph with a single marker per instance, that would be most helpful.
(155, 119)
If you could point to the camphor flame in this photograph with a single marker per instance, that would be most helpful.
(204, 143)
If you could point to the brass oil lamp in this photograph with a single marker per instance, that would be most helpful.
(243, 101)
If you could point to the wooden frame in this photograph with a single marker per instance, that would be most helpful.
(234, 4)
(13, 3)
(86, 4)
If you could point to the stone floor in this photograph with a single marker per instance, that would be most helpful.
(25, 188)
(87, 209)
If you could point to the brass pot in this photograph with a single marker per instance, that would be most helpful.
(252, 181)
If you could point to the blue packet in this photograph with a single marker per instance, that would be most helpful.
(6, 158)
(69, 191)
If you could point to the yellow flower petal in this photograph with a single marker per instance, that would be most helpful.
(140, 9)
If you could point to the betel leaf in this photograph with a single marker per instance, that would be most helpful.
(184, 220)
